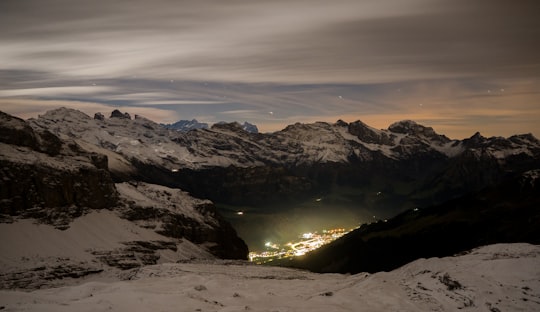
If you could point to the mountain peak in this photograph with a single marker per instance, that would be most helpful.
(475, 140)
(403, 124)
(409, 127)
(412, 128)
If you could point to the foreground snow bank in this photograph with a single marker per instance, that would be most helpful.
(503, 277)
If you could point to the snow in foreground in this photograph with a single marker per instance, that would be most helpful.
(504, 277)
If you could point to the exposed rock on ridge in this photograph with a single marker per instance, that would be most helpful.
(47, 179)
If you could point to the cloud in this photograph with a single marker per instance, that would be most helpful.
(238, 59)
(31, 108)
(272, 41)
(54, 91)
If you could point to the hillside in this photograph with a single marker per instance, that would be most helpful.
(505, 213)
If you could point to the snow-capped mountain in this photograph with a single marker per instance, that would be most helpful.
(410, 163)
(186, 125)
(502, 277)
(249, 127)
(303, 143)
(299, 144)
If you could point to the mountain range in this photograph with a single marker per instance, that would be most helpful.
(138, 193)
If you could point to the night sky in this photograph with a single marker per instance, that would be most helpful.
(459, 66)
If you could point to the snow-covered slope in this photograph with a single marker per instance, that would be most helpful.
(492, 278)
(151, 224)
(38, 255)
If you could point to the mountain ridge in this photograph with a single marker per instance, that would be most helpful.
(300, 161)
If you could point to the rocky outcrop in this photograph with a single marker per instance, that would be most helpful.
(99, 116)
(46, 275)
(44, 178)
(174, 213)
(135, 254)
(16, 131)
(117, 114)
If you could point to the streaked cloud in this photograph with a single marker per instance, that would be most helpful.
(300, 59)
(54, 91)
(29, 108)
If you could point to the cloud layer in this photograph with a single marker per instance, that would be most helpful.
(298, 59)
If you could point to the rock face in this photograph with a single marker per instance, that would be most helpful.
(186, 125)
(44, 178)
(117, 114)
(173, 213)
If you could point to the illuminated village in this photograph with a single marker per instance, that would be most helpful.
(307, 242)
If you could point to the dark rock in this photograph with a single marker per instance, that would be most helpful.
(42, 179)
(227, 244)
(117, 114)
(368, 135)
(16, 131)
(53, 195)
(100, 161)
(99, 116)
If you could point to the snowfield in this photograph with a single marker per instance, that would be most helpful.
(503, 277)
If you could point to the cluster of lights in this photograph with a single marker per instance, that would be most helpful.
(307, 242)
